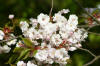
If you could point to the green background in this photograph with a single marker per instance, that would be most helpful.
(32, 8)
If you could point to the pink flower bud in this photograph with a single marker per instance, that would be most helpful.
(11, 16)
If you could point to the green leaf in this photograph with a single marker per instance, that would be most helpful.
(7, 24)
(23, 53)
(18, 49)
(69, 61)
(27, 42)
(12, 65)
(34, 53)
(26, 56)
(12, 59)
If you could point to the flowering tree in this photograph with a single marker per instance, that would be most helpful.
(45, 40)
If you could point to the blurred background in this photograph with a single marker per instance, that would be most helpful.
(25, 9)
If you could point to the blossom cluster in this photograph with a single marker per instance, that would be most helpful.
(51, 36)
(21, 63)
(95, 13)
(6, 48)
(58, 35)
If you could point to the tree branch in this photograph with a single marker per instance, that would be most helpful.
(86, 11)
(96, 58)
(51, 9)
(87, 26)
(88, 51)
(94, 33)
(9, 39)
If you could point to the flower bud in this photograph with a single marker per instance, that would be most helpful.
(11, 16)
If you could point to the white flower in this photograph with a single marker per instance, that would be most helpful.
(19, 44)
(12, 42)
(78, 45)
(43, 19)
(62, 61)
(49, 60)
(64, 11)
(30, 33)
(63, 32)
(30, 64)
(11, 16)
(75, 37)
(51, 52)
(72, 40)
(24, 26)
(60, 53)
(43, 44)
(1, 35)
(50, 28)
(35, 42)
(34, 22)
(21, 63)
(72, 23)
(56, 39)
(59, 18)
(38, 36)
(72, 48)
(62, 56)
(41, 55)
(85, 35)
(6, 49)
(78, 36)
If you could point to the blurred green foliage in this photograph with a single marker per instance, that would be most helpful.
(25, 9)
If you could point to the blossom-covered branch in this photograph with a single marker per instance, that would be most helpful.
(47, 41)
(86, 11)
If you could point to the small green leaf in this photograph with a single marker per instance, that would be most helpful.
(27, 42)
(12, 65)
(18, 49)
(12, 59)
(26, 56)
(69, 61)
(23, 53)
(34, 53)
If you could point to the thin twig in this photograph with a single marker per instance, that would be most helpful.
(51, 9)
(8, 39)
(94, 33)
(87, 26)
(87, 30)
(96, 58)
(83, 26)
(88, 51)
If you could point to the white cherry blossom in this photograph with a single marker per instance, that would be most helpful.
(1, 35)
